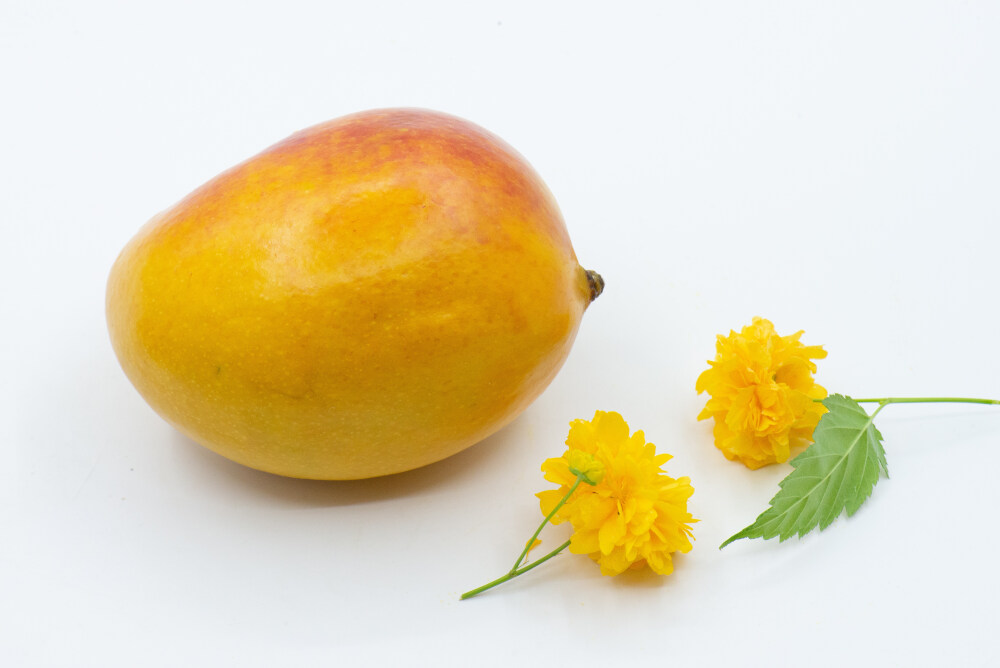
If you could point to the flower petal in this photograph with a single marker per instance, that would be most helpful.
(610, 533)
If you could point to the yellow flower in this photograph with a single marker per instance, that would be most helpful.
(635, 515)
(762, 394)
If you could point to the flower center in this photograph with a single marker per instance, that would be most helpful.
(762, 408)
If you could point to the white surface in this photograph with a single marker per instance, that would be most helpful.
(834, 168)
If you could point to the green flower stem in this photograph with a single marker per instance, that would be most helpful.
(548, 518)
(517, 569)
(927, 400)
(514, 573)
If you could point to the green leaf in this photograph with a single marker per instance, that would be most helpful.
(836, 472)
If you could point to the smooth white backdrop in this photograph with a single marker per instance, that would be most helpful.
(832, 166)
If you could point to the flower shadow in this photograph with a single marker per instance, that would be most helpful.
(644, 578)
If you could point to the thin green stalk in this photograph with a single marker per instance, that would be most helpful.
(517, 569)
(514, 573)
(928, 400)
(527, 546)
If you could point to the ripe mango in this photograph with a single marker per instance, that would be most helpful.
(368, 296)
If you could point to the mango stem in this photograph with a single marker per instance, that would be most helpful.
(596, 284)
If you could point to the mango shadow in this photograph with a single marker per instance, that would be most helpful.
(209, 468)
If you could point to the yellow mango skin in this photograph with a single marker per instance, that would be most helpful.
(366, 297)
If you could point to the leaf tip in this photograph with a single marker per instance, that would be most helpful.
(733, 538)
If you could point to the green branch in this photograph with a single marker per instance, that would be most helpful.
(514, 573)
(928, 400)
(517, 569)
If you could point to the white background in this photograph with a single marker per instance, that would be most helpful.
(834, 167)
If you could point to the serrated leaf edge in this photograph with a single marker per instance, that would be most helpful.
(868, 430)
